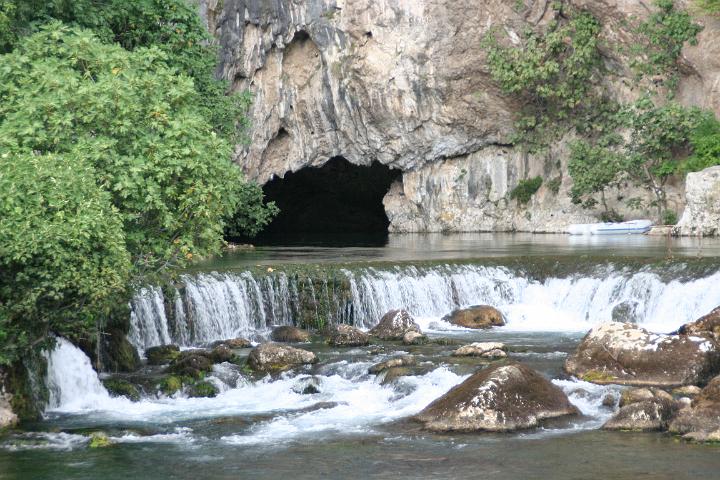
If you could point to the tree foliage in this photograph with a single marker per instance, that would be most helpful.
(705, 143)
(709, 6)
(156, 185)
(63, 261)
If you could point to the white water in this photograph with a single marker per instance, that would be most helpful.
(218, 306)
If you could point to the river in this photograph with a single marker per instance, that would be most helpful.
(551, 289)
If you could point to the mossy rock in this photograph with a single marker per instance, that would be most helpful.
(118, 354)
(162, 355)
(170, 384)
(203, 389)
(596, 376)
(99, 440)
(192, 365)
(118, 387)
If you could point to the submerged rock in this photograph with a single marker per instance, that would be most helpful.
(645, 415)
(415, 338)
(162, 355)
(482, 349)
(498, 399)
(343, 335)
(404, 361)
(99, 440)
(703, 416)
(624, 354)
(272, 357)
(394, 325)
(477, 316)
(307, 385)
(117, 387)
(288, 334)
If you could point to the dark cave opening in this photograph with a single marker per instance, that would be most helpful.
(338, 198)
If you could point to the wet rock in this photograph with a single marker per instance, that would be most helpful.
(202, 389)
(117, 387)
(635, 395)
(343, 335)
(703, 416)
(272, 357)
(687, 391)
(192, 365)
(170, 384)
(415, 338)
(404, 361)
(646, 415)
(162, 355)
(233, 343)
(446, 341)
(391, 374)
(625, 312)
(609, 400)
(394, 325)
(477, 316)
(288, 334)
(307, 385)
(221, 353)
(482, 349)
(624, 354)
(705, 326)
(499, 398)
(683, 402)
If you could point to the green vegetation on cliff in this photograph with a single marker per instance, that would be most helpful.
(115, 160)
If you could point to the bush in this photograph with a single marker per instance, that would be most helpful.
(705, 142)
(669, 217)
(708, 6)
(526, 189)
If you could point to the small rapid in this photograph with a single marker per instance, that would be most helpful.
(214, 306)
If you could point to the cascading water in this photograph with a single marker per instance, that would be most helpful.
(72, 383)
(216, 306)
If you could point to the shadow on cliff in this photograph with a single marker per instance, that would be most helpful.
(336, 203)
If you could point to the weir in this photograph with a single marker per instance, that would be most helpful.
(212, 306)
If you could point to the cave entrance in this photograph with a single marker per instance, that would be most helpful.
(337, 199)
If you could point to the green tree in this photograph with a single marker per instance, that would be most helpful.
(705, 143)
(138, 124)
(63, 262)
(593, 168)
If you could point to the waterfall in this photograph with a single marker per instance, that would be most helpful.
(71, 381)
(214, 306)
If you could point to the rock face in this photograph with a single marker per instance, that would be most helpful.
(8, 418)
(481, 349)
(625, 354)
(478, 316)
(406, 84)
(703, 416)
(394, 325)
(500, 398)
(343, 335)
(271, 357)
(702, 213)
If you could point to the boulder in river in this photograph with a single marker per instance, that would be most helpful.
(288, 334)
(272, 357)
(118, 387)
(626, 312)
(193, 365)
(705, 326)
(635, 395)
(233, 343)
(394, 325)
(221, 353)
(481, 349)
(307, 385)
(646, 415)
(497, 399)
(625, 354)
(343, 335)
(117, 353)
(703, 416)
(404, 361)
(162, 354)
(477, 316)
(415, 338)
(202, 389)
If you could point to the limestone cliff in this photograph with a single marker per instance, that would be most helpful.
(404, 82)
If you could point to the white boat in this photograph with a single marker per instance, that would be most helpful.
(618, 228)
